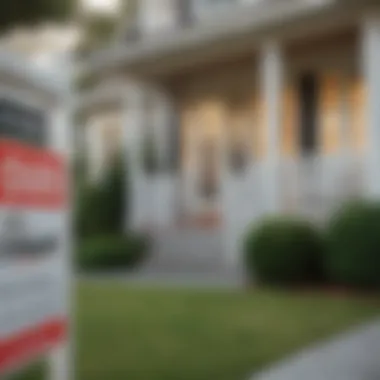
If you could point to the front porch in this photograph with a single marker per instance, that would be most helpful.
(289, 126)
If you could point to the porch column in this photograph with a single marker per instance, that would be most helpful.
(164, 195)
(134, 123)
(271, 79)
(163, 118)
(371, 74)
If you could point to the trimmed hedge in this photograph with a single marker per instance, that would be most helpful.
(112, 252)
(284, 251)
(353, 245)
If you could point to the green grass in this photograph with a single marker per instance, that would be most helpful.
(146, 334)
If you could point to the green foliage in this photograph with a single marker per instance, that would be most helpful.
(107, 252)
(30, 12)
(284, 251)
(101, 207)
(99, 220)
(98, 30)
(88, 214)
(353, 245)
(79, 169)
(150, 332)
(85, 81)
(114, 192)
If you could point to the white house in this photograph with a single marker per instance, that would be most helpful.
(256, 107)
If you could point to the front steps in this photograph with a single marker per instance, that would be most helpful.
(190, 252)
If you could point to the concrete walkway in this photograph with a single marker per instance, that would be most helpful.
(171, 280)
(353, 356)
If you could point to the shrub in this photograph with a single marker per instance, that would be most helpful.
(111, 252)
(353, 245)
(88, 213)
(101, 207)
(114, 189)
(284, 251)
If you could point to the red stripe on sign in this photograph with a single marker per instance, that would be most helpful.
(25, 346)
(31, 177)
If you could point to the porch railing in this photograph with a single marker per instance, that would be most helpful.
(315, 185)
(311, 187)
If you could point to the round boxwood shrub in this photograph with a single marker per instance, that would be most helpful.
(353, 245)
(112, 252)
(282, 251)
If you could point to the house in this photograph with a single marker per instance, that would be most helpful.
(255, 107)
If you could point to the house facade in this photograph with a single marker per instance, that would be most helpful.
(254, 107)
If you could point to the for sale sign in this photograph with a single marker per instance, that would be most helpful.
(33, 203)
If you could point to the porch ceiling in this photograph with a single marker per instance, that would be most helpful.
(234, 34)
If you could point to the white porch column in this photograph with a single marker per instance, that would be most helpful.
(163, 118)
(271, 79)
(371, 73)
(134, 123)
(164, 182)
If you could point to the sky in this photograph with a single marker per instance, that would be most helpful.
(101, 5)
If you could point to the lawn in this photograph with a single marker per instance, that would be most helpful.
(160, 334)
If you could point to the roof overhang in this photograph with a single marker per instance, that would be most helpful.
(237, 30)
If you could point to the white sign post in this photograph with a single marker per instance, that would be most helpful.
(35, 238)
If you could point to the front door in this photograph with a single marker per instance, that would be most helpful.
(207, 179)
(201, 170)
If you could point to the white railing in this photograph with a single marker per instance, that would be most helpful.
(314, 186)
(244, 202)
(305, 186)
(311, 187)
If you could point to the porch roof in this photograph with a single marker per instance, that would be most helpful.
(209, 37)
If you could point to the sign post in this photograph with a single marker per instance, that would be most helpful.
(35, 238)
